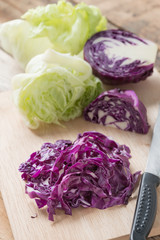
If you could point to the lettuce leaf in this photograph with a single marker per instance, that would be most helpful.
(56, 87)
(15, 40)
(60, 26)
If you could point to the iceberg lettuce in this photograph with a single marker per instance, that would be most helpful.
(15, 40)
(62, 27)
(55, 87)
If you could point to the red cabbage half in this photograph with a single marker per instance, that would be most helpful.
(118, 108)
(118, 56)
(93, 171)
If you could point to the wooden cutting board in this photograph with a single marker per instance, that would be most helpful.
(17, 142)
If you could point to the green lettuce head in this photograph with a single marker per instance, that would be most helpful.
(61, 26)
(56, 87)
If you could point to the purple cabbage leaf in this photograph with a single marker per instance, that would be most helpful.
(118, 108)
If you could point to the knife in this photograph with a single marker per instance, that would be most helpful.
(146, 205)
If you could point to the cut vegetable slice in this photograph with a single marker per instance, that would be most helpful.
(118, 56)
(118, 108)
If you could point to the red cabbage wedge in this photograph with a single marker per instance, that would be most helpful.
(93, 171)
(118, 56)
(118, 108)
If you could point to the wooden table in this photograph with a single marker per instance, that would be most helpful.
(139, 16)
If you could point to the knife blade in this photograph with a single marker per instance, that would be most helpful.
(146, 206)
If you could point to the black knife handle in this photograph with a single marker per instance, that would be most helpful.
(146, 207)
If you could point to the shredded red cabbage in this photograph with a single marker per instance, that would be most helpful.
(93, 171)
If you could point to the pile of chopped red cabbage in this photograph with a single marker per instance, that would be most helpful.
(93, 171)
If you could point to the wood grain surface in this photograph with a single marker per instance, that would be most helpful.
(139, 16)
(91, 224)
(23, 135)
